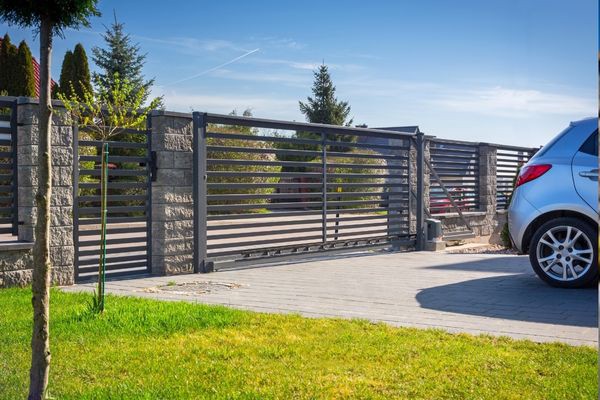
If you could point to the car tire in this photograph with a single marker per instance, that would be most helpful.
(561, 261)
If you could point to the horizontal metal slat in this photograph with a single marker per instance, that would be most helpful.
(303, 126)
(112, 220)
(113, 231)
(118, 145)
(127, 240)
(114, 185)
(269, 224)
(262, 233)
(111, 210)
(259, 138)
(114, 159)
(273, 206)
(276, 214)
(114, 172)
(114, 197)
(112, 250)
(118, 130)
(113, 267)
(242, 174)
(260, 242)
(112, 260)
(233, 197)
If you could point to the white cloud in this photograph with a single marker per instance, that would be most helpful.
(304, 65)
(192, 45)
(508, 102)
(285, 78)
(264, 107)
(277, 42)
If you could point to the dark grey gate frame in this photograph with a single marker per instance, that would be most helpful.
(200, 192)
(150, 169)
(12, 131)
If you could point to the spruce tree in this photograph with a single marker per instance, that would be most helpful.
(75, 77)
(66, 75)
(8, 66)
(25, 81)
(81, 72)
(325, 108)
(120, 58)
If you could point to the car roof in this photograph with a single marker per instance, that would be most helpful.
(585, 121)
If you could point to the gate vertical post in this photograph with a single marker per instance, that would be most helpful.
(76, 199)
(200, 193)
(150, 176)
(420, 190)
(15, 175)
(324, 186)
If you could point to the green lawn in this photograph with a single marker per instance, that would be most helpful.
(163, 350)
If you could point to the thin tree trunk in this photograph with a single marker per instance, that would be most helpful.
(40, 341)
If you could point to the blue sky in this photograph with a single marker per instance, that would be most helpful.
(498, 71)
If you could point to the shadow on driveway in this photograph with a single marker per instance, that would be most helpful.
(518, 296)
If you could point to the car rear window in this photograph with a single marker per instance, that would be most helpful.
(591, 144)
(551, 143)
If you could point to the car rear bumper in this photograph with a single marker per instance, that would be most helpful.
(520, 214)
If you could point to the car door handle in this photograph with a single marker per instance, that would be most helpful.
(589, 174)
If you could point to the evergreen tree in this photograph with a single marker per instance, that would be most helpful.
(25, 82)
(8, 66)
(120, 58)
(66, 75)
(81, 72)
(325, 108)
(75, 74)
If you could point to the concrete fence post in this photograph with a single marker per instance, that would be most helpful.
(416, 173)
(61, 226)
(172, 201)
(421, 190)
(487, 186)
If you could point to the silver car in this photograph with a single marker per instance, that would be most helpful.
(553, 214)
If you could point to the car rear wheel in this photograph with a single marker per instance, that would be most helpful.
(564, 253)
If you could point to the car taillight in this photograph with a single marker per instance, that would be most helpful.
(532, 172)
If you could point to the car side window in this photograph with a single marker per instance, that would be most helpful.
(591, 144)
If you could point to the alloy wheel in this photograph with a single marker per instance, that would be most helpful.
(565, 253)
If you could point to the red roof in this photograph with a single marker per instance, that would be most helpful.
(36, 75)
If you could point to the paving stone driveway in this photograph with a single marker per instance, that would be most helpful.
(474, 293)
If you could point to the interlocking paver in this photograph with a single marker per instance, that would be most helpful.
(473, 293)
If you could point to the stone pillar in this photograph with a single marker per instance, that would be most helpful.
(172, 201)
(396, 195)
(413, 182)
(61, 226)
(487, 186)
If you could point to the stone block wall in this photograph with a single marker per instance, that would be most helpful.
(172, 203)
(16, 260)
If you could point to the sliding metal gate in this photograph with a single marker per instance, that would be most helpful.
(8, 167)
(129, 199)
(265, 189)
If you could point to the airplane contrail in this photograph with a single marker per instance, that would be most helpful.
(214, 68)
